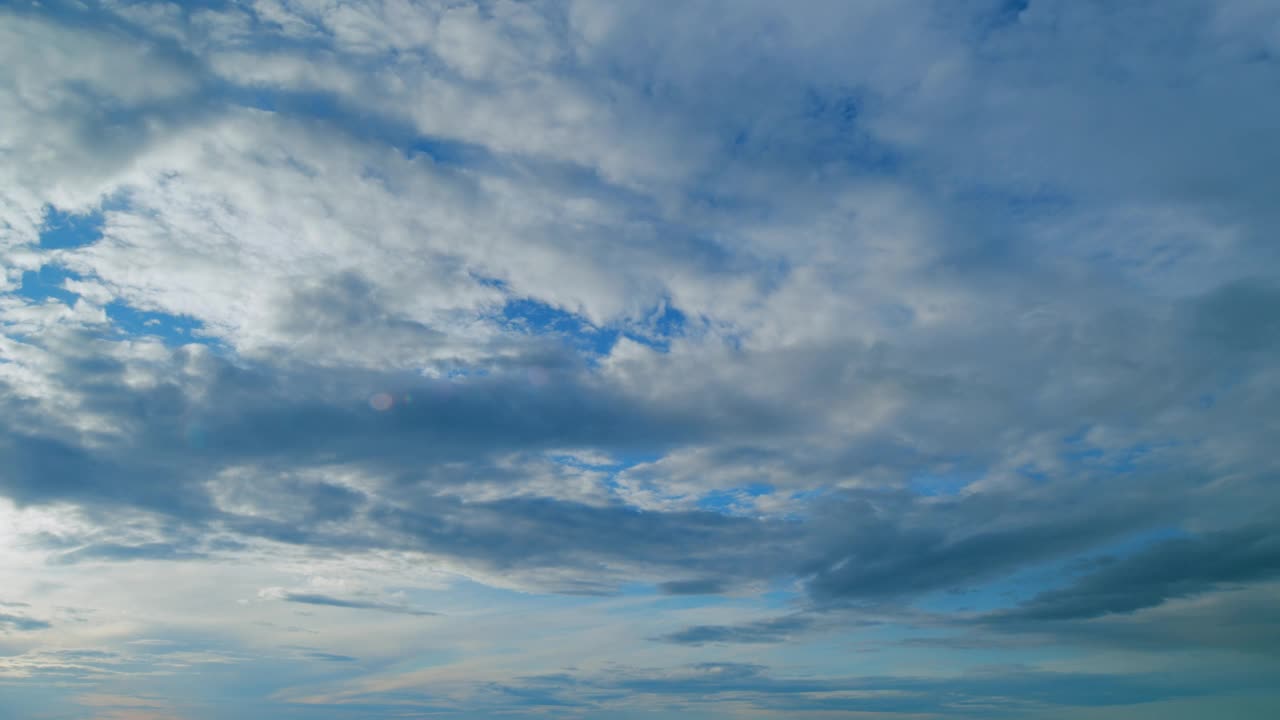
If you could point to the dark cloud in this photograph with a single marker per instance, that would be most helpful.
(541, 532)
(22, 623)
(881, 546)
(330, 657)
(858, 547)
(1240, 620)
(1169, 569)
(705, 586)
(240, 414)
(773, 630)
(1240, 317)
(354, 604)
(44, 469)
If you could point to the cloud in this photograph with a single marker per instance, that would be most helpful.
(306, 598)
(1169, 569)
(772, 630)
(593, 313)
(707, 586)
(702, 687)
(115, 552)
(22, 623)
(331, 657)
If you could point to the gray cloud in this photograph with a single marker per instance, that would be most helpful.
(704, 586)
(331, 657)
(772, 630)
(1169, 569)
(353, 604)
(22, 623)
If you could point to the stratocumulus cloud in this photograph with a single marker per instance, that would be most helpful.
(599, 359)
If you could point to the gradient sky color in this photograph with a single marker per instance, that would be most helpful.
(607, 359)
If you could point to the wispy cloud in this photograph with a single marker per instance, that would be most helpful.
(338, 602)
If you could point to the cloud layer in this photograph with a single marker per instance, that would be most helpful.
(734, 359)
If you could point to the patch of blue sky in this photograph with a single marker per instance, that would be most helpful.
(801, 501)
(635, 589)
(610, 466)
(821, 128)
(331, 110)
(236, 683)
(946, 477)
(62, 230)
(929, 650)
(461, 373)
(734, 500)
(941, 484)
(1020, 207)
(538, 318)
(667, 603)
(842, 109)
(40, 700)
(444, 151)
(423, 659)
(781, 594)
(48, 283)
(1131, 458)
(526, 315)
(1006, 13)
(613, 463)
(574, 461)
(1142, 540)
(1128, 459)
(715, 197)
(839, 112)
(843, 649)
(670, 321)
(488, 281)
(172, 330)
(1030, 471)
(658, 329)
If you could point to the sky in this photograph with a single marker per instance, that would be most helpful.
(609, 359)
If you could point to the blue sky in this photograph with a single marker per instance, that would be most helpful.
(592, 359)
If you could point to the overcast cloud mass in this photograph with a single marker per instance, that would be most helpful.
(629, 360)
